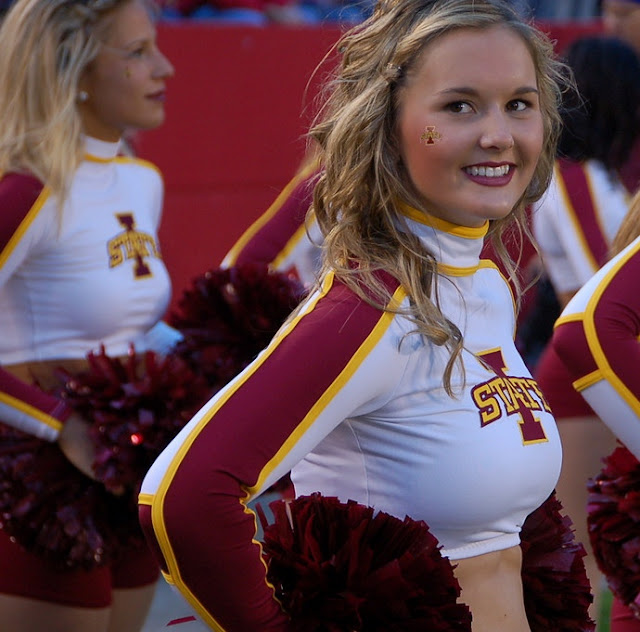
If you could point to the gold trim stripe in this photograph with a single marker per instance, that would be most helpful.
(237, 248)
(31, 411)
(24, 226)
(593, 340)
(158, 500)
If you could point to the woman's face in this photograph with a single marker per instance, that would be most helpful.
(470, 124)
(126, 82)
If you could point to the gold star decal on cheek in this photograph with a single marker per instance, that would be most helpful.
(430, 136)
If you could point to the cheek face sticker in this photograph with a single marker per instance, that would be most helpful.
(431, 136)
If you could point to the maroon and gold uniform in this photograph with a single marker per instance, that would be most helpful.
(73, 278)
(285, 237)
(597, 339)
(574, 225)
(77, 277)
(351, 400)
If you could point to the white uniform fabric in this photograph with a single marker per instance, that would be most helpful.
(90, 273)
(556, 226)
(412, 450)
(78, 277)
(303, 253)
(353, 403)
(385, 433)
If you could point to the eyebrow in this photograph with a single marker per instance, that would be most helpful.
(473, 92)
(129, 46)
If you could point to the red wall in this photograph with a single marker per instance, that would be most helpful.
(236, 113)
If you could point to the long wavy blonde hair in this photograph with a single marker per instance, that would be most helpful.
(357, 196)
(45, 47)
(629, 227)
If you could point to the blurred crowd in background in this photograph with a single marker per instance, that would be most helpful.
(260, 12)
(350, 11)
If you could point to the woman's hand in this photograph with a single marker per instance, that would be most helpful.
(76, 444)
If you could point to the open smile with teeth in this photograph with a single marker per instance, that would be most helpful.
(489, 172)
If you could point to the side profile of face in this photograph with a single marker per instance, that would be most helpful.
(470, 124)
(621, 18)
(125, 84)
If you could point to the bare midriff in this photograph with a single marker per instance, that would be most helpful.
(492, 588)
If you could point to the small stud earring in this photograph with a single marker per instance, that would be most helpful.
(83, 96)
(127, 73)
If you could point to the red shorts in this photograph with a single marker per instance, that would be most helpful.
(27, 575)
(622, 619)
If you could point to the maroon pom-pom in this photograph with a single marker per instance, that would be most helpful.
(229, 315)
(52, 509)
(135, 407)
(557, 592)
(613, 511)
(337, 567)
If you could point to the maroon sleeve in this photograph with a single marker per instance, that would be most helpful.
(583, 209)
(24, 406)
(18, 193)
(556, 381)
(569, 343)
(201, 524)
(617, 323)
(11, 388)
(607, 337)
(283, 219)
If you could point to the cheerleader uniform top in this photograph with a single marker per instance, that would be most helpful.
(76, 277)
(576, 220)
(285, 237)
(597, 338)
(574, 225)
(353, 401)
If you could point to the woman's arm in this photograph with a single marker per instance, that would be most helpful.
(22, 405)
(335, 360)
(280, 237)
(30, 409)
(571, 226)
(597, 339)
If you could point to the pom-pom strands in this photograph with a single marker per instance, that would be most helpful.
(338, 568)
(557, 593)
(56, 512)
(229, 315)
(613, 511)
(135, 408)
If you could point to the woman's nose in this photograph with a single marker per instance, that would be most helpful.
(164, 68)
(497, 131)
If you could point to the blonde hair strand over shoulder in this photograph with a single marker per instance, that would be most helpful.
(363, 182)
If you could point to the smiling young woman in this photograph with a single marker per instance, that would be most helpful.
(489, 125)
(389, 385)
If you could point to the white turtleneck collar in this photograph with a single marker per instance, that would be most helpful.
(100, 150)
(456, 248)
